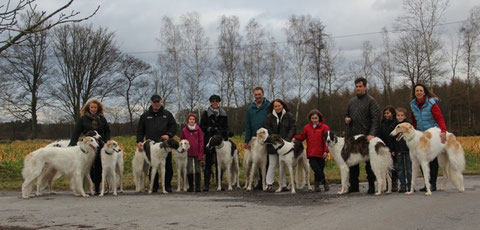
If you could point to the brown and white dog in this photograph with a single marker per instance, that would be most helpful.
(425, 146)
(255, 159)
(351, 151)
(290, 155)
(181, 161)
(112, 167)
(140, 167)
(73, 162)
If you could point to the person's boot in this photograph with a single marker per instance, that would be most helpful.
(190, 182)
(371, 188)
(206, 180)
(197, 182)
(316, 186)
(394, 186)
(326, 187)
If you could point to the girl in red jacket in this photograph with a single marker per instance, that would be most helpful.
(317, 149)
(194, 135)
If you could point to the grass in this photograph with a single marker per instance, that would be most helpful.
(13, 153)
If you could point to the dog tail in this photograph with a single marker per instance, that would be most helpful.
(455, 153)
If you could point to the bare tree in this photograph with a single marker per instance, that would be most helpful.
(253, 70)
(423, 17)
(27, 68)
(410, 59)
(315, 53)
(470, 32)
(331, 58)
(229, 49)
(163, 85)
(10, 34)
(171, 59)
(273, 62)
(197, 60)
(86, 59)
(297, 35)
(383, 67)
(131, 70)
(368, 59)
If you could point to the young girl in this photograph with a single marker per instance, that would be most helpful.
(317, 149)
(194, 135)
(387, 125)
(404, 165)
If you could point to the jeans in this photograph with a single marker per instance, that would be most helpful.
(404, 169)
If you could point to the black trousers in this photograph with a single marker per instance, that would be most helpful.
(318, 164)
(168, 175)
(355, 173)
(433, 165)
(210, 159)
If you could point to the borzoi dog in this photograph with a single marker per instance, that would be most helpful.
(159, 152)
(351, 151)
(112, 166)
(49, 174)
(140, 167)
(181, 161)
(227, 161)
(73, 162)
(290, 155)
(424, 147)
(255, 159)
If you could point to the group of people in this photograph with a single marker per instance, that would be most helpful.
(362, 116)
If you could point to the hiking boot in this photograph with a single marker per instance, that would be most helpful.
(326, 186)
(316, 187)
(190, 182)
(197, 182)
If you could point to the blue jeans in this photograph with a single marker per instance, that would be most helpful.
(404, 169)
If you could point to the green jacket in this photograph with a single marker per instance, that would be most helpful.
(254, 119)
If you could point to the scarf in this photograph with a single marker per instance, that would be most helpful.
(95, 118)
(191, 127)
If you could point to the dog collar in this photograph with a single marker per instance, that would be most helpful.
(291, 150)
(83, 150)
(108, 152)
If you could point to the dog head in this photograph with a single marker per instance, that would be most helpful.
(401, 130)
(91, 142)
(94, 134)
(112, 146)
(184, 146)
(170, 143)
(262, 134)
(214, 141)
(274, 139)
(330, 138)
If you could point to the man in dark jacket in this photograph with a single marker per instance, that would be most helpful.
(157, 124)
(214, 121)
(362, 117)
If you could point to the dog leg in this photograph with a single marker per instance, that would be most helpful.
(78, 183)
(102, 184)
(426, 177)
(306, 166)
(152, 178)
(114, 182)
(292, 181)
(389, 181)
(185, 182)
(219, 173)
(162, 170)
(179, 178)
(229, 177)
(280, 176)
(252, 175)
(264, 176)
(344, 173)
(414, 176)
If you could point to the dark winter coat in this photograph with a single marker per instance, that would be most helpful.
(365, 116)
(386, 127)
(84, 124)
(195, 139)
(316, 146)
(153, 125)
(212, 125)
(285, 125)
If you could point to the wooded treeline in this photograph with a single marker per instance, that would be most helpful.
(52, 71)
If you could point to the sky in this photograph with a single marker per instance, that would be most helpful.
(136, 24)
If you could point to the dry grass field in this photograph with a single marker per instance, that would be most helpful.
(13, 153)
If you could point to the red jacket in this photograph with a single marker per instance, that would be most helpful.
(316, 146)
(195, 139)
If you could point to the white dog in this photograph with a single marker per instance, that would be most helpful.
(425, 146)
(112, 166)
(140, 167)
(290, 155)
(354, 150)
(181, 160)
(227, 161)
(73, 162)
(255, 159)
(159, 152)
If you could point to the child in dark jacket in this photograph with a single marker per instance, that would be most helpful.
(317, 149)
(194, 135)
(387, 125)
(404, 164)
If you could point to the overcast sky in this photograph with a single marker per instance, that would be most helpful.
(136, 23)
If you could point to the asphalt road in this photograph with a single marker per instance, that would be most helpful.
(246, 210)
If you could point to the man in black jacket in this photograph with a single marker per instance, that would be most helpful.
(157, 124)
(362, 117)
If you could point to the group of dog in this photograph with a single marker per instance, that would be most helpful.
(56, 159)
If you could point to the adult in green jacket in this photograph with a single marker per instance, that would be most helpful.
(256, 114)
